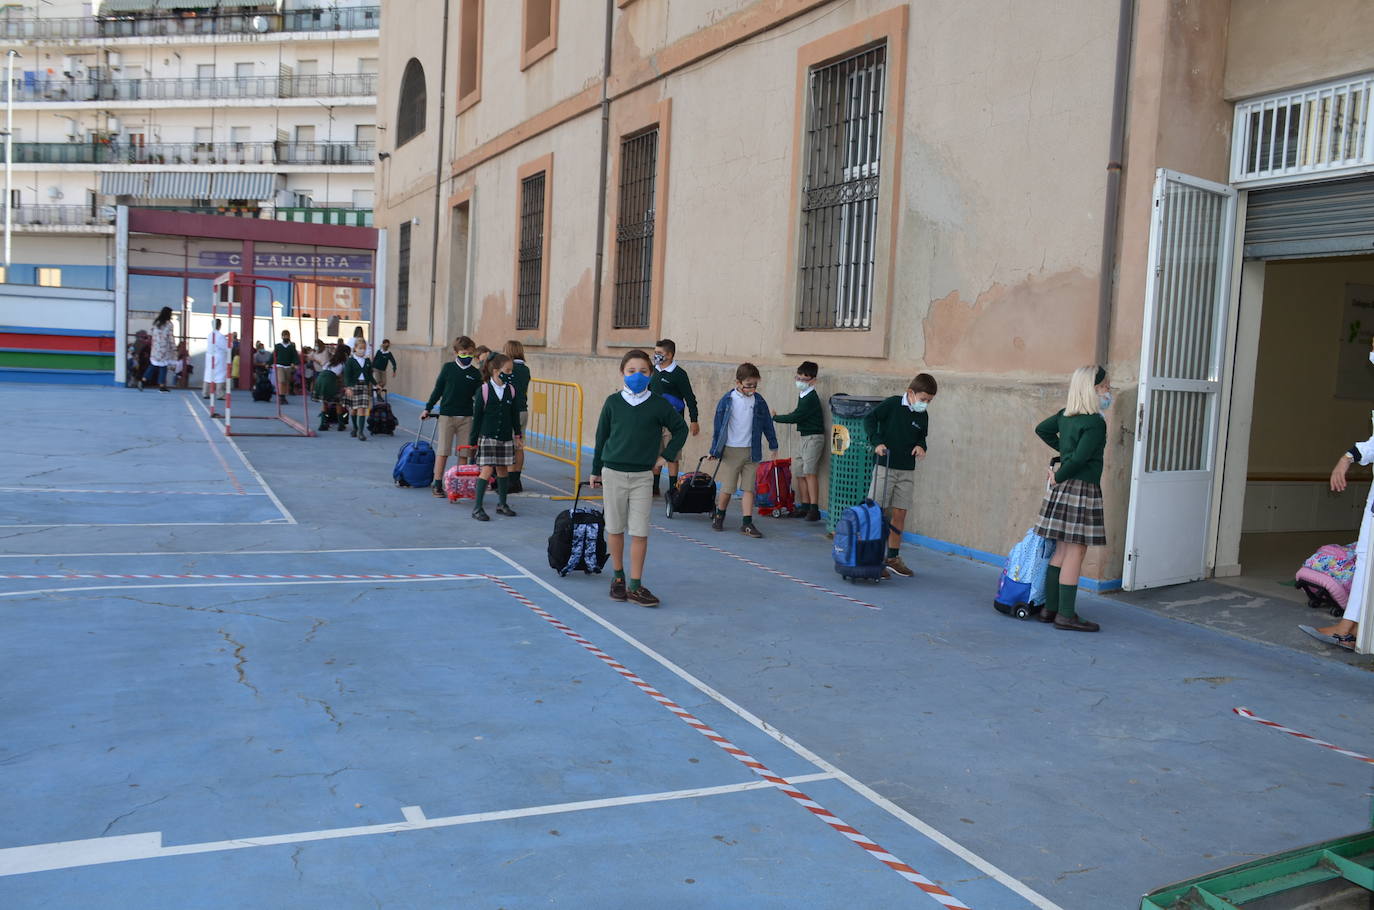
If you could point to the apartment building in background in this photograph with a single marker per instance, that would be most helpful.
(251, 109)
(993, 192)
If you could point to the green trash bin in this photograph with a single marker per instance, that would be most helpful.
(851, 456)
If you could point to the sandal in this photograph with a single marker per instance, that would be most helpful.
(1345, 642)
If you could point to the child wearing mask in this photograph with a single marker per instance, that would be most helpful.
(629, 453)
(383, 360)
(670, 380)
(810, 423)
(454, 391)
(495, 433)
(516, 352)
(357, 378)
(899, 428)
(742, 420)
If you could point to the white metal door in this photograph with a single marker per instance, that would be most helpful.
(1192, 234)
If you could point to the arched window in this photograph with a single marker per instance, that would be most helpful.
(410, 113)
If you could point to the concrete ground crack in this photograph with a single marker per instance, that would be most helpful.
(238, 667)
(317, 625)
(190, 609)
(328, 710)
(296, 862)
(118, 818)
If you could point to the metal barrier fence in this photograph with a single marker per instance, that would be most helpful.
(554, 429)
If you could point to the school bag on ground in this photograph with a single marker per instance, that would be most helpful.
(694, 494)
(1021, 588)
(382, 419)
(262, 389)
(773, 488)
(460, 480)
(1325, 577)
(415, 462)
(860, 546)
(578, 540)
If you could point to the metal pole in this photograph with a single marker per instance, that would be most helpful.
(9, 155)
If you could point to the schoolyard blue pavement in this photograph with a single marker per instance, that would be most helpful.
(256, 673)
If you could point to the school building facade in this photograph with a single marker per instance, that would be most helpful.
(993, 192)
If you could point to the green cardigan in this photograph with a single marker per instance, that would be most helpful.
(1080, 441)
(492, 417)
(354, 374)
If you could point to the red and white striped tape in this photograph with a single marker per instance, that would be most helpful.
(769, 569)
(239, 492)
(237, 575)
(1250, 715)
(887, 859)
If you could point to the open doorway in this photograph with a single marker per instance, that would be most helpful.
(1313, 388)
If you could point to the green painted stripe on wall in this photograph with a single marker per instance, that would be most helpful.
(34, 360)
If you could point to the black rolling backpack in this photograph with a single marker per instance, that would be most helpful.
(382, 419)
(578, 540)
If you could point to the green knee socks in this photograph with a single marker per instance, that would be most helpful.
(1052, 589)
(502, 486)
(481, 491)
(1068, 595)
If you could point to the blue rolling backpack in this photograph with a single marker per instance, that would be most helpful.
(415, 461)
(861, 541)
(1021, 589)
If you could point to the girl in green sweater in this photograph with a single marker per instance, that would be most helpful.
(357, 380)
(1071, 514)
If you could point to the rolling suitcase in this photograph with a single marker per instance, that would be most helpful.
(460, 480)
(860, 545)
(382, 419)
(1021, 587)
(773, 488)
(415, 462)
(578, 540)
(694, 494)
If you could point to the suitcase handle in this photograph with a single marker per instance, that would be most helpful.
(702, 460)
(433, 437)
(577, 494)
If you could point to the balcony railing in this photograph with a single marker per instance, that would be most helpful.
(61, 215)
(193, 89)
(196, 153)
(225, 22)
(104, 215)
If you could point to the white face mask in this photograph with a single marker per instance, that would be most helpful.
(917, 406)
(802, 386)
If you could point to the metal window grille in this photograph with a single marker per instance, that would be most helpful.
(531, 254)
(403, 278)
(839, 218)
(634, 232)
(1295, 135)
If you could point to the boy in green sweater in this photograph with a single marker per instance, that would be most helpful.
(811, 425)
(454, 391)
(670, 380)
(515, 350)
(380, 362)
(629, 454)
(898, 429)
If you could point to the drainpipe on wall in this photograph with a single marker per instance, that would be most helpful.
(1125, 35)
(440, 181)
(602, 185)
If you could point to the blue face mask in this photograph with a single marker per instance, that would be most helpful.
(464, 361)
(637, 382)
(1104, 401)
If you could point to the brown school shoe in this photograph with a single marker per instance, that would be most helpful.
(1045, 615)
(503, 509)
(897, 567)
(618, 589)
(750, 531)
(718, 523)
(642, 596)
(1075, 624)
(437, 488)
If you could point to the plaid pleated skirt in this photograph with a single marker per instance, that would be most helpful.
(495, 452)
(1072, 512)
(358, 397)
(326, 388)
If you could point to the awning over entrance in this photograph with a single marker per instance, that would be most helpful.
(1328, 218)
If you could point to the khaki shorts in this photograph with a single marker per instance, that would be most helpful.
(737, 470)
(900, 488)
(379, 378)
(809, 454)
(626, 498)
(453, 431)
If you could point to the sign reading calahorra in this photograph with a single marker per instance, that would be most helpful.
(352, 262)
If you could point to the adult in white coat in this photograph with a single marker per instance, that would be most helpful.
(216, 364)
(1343, 633)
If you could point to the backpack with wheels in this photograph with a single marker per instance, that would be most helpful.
(773, 488)
(415, 463)
(460, 480)
(578, 540)
(694, 494)
(1326, 576)
(1021, 588)
(860, 546)
(262, 389)
(382, 420)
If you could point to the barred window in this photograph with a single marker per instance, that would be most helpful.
(839, 218)
(634, 232)
(403, 278)
(410, 112)
(531, 255)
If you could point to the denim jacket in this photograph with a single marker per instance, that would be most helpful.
(763, 426)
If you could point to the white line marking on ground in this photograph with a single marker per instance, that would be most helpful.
(211, 443)
(77, 589)
(121, 848)
(413, 814)
(128, 492)
(244, 552)
(248, 465)
(157, 524)
(928, 831)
